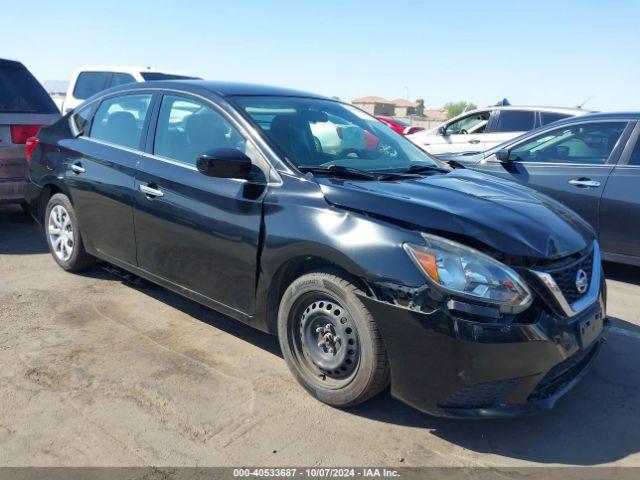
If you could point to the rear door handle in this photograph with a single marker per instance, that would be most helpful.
(584, 183)
(474, 141)
(150, 191)
(77, 168)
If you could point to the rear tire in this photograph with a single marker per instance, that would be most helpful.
(63, 235)
(330, 341)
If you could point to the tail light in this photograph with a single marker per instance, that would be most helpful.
(30, 145)
(20, 133)
(339, 132)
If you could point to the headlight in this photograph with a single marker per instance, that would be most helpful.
(469, 273)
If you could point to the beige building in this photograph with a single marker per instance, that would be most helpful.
(375, 105)
(404, 108)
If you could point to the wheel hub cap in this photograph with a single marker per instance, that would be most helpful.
(60, 230)
(328, 338)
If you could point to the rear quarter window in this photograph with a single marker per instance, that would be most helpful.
(90, 83)
(552, 117)
(20, 92)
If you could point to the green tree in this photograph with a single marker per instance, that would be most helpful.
(420, 107)
(454, 109)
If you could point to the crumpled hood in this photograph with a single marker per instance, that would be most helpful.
(503, 215)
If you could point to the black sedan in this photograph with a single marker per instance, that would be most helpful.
(589, 163)
(372, 262)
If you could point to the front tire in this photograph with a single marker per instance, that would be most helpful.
(63, 235)
(330, 341)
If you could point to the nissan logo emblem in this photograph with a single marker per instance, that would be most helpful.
(582, 281)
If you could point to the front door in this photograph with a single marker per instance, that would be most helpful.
(571, 164)
(101, 172)
(197, 232)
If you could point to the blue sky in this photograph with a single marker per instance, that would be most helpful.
(536, 52)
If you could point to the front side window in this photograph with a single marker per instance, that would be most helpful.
(475, 123)
(119, 120)
(187, 128)
(515, 121)
(320, 133)
(588, 143)
(121, 79)
(90, 83)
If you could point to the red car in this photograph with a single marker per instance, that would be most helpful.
(400, 126)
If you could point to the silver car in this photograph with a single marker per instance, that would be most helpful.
(25, 106)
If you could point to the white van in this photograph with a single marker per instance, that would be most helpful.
(87, 81)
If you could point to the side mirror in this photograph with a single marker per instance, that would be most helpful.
(442, 131)
(224, 163)
(503, 155)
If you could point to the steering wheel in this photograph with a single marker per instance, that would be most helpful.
(462, 131)
(350, 151)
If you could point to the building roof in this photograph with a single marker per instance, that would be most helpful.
(372, 99)
(401, 102)
(435, 114)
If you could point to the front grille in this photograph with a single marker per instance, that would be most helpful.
(565, 277)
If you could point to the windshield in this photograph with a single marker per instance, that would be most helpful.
(320, 133)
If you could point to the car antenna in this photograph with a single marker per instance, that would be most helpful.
(587, 100)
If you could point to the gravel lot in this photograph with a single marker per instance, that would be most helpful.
(98, 370)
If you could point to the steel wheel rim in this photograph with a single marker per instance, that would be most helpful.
(60, 230)
(325, 340)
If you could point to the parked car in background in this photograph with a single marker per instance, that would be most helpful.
(87, 81)
(400, 126)
(484, 128)
(25, 106)
(472, 296)
(590, 163)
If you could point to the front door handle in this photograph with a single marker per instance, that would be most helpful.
(150, 191)
(584, 183)
(474, 141)
(77, 168)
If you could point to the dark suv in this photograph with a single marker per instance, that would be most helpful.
(373, 263)
(24, 107)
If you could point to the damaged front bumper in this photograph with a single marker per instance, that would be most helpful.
(453, 367)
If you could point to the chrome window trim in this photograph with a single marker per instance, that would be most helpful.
(273, 175)
(588, 299)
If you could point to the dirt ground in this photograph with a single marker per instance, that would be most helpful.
(97, 371)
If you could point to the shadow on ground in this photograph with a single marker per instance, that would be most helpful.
(19, 233)
(598, 422)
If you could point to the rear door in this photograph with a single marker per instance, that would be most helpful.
(620, 207)
(100, 173)
(24, 107)
(193, 231)
(508, 124)
(570, 163)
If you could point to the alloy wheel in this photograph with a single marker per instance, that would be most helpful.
(60, 230)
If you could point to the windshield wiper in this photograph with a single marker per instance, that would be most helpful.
(424, 168)
(338, 170)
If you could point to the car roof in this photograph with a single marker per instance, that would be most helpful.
(121, 69)
(568, 110)
(222, 89)
(14, 63)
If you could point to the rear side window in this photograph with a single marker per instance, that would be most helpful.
(515, 121)
(80, 120)
(90, 83)
(187, 129)
(635, 155)
(119, 120)
(548, 117)
(588, 143)
(20, 92)
(121, 79)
